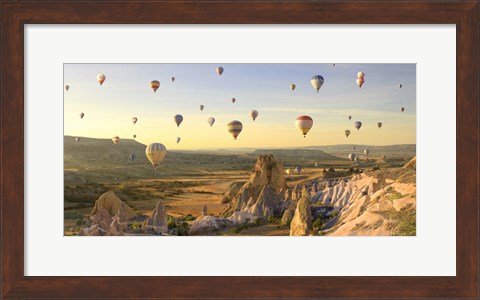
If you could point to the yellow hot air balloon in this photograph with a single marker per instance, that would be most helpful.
(155, 153)
(347, 133)
(292, 87)
(154, 84)
(235, 127)
(304, 124)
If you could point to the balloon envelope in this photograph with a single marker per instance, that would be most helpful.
(403, 109)
(360, 81)
(379, 124)
(133, 156)
(81, 115)
(351, 156)
(101, 78)
(347, 133)
(210, 121)
(115, 139)
(219, 70)
(292, 87)
(173, 79)
(134, 136)
(366, 152)
(67, 87)
(304, 124)
(349, 117)
(154, 84)
(317, 82)
(235, 127)
(77, 139)
(360, 74)
(134, 120)
(233, 100)
(178, 139)
(358, 125)
(253, 114)
(178, 119)
(202, 107)
(155, 153)
(400, 86)
(298, 169)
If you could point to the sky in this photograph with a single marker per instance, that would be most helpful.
(126, 93)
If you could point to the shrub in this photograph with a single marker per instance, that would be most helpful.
(271, 219)
(189, 218)
(72, 215)
(171, 223)
(79, 222)
(317, 224)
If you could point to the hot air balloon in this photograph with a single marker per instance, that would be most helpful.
(317, 82)
(202, 107)
(235, 127)
(351, 156)
(178, 119)
(360, 74)
(115, 139)
(134, 120)
(354, 147)
(349, 118)
(292, 87)
(403, 109)
(101, 78)
(134, 136)
(366, 152)
(253, 114)
(347, 133)
(333, 65)
(316, 165)
(133, 156)
(154, 84)
(82, 115)
(379, 124)
(67, 87)
(219, 70)
(155, 153)
(304, 124)
(358, 124)
(210, 121)
(288, 171)
(233, 100)
(298, 169)
(77, 139)
(360, 81)
(178, 139)
(173, 79)
(357, 159)
(400, 86)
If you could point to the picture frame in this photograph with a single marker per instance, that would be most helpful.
(465, 14)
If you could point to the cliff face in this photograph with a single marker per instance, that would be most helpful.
(264, 191)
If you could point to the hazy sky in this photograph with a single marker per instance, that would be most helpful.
(265, 87)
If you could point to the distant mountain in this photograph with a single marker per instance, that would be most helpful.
(301, 154)
(390, 151)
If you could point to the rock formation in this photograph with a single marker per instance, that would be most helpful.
(263, 194)
(412, 164)
(158, 221)
(114, 206)
(230, 194)
(205, 211)
(301, 224)
(207, 224)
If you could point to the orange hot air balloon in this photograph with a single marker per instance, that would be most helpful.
(154, 84)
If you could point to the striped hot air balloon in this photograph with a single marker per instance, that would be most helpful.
(155, 153)
(304, 124)
(235, 127)
(178, 119)
(154, 84)
(101, 78)
(115, 139)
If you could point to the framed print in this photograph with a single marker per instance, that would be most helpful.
(249, 149)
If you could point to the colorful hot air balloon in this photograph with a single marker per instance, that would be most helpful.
(178, 119)
(379, 124)
(349, 117)
(133, 156)
(235, 127)
(178, 139)
(115, 139)
(173, 79)
(82, 115)
(403, 109)
(304, 124)
(351, 156)
(67, 87)
(298, 169)
(366, 152)
(154, 84)
(101, 78)
(219, 70)
(317, 82)
(155, 153)
(77, 139)
(134, 136)
(358, 125)
(347, 133)
(253, 114)
(134, 120)
(360, 81)
(202, 107)
(211, 121)
(292, 87)
(233, 100)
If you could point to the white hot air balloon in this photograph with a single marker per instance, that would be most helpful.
(317, 82)
(211, 121)
(101, 78)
